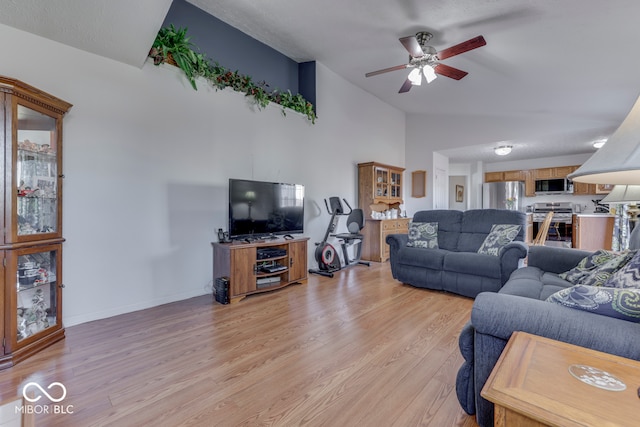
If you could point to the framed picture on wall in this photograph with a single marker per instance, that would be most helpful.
(459, 193)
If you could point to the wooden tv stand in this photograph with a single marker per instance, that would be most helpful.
(240, 263)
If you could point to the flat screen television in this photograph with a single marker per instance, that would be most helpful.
(258, 209)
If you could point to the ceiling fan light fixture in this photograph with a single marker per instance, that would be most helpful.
(503, 150)
(429, 73)
(416, 77)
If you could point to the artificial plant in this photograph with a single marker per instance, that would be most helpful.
(173, 46)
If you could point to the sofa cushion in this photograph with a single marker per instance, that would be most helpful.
(588, 265)
(612, 302)
(499, 236)
(421, 257)
(473, 263)
(626, 277)
(532, 282)
(476, 225)
(449, 224)
(423, 235)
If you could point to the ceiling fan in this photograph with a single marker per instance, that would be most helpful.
(424, 59)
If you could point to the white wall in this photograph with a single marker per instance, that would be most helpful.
(147, 162)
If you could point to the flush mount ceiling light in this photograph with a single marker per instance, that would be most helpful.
(599, 143)
(503, 150)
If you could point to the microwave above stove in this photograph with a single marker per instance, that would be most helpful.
(554, 186)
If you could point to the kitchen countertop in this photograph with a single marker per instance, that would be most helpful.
(593, 214)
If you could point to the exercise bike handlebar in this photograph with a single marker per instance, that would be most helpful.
(336, 206)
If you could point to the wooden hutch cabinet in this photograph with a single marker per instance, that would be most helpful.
(380, 185)
(31, 242)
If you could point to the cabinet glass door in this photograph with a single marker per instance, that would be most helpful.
(37, 297)
(396, 185)
(382, 182)
(36, 176)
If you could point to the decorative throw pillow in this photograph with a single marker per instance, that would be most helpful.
(613, 302)
(587, 265)
(628, 276)
(602, 273)
(499, 236)
(423, 235)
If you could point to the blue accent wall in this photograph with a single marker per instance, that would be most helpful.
(307, 81)
(237, 51)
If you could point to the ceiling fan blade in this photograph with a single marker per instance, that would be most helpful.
(463, 47)
(386, 70)
(413, 47)
(447, 71)
(406, 86)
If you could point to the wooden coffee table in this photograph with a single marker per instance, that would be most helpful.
(531, 385)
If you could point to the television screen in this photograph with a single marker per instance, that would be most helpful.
(258, 208)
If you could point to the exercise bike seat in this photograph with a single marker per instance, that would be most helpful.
(355, 223)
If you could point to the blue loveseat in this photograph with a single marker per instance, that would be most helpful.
(456, 266)
(520, 306)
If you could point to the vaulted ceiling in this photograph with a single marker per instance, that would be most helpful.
(571, 64)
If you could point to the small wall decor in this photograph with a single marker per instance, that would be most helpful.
(418, 183)
(459, 193)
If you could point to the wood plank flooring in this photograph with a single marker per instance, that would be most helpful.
(357, 350)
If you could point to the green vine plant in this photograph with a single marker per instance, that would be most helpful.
(174, 47)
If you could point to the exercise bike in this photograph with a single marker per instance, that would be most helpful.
(326, 255)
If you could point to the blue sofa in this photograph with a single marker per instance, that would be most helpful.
(455, 266)
(520, 306)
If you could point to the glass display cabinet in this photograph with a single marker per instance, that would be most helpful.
(36, 301)
(31, 245)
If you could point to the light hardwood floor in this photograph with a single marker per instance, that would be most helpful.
(357, 350)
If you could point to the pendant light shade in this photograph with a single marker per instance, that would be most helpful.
(618, 162)
(624, 194)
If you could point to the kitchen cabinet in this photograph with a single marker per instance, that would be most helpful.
(505, 176)
(31, 245)
(379, 183)
(494, 177)
(592, 231)
(514, 175)
(529, 177)
(529, 184)
(555, 172)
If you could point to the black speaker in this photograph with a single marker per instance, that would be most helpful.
(221, 290)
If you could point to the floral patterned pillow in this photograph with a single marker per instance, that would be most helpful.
(499, 236)
(602, 273)
(587, 266)
(626, 277)
(423, 235)
(613, 302)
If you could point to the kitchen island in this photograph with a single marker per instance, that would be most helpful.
(592, 231)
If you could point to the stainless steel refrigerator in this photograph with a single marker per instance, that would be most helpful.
(503, 195)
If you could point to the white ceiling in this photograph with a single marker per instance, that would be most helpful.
(557, 73)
